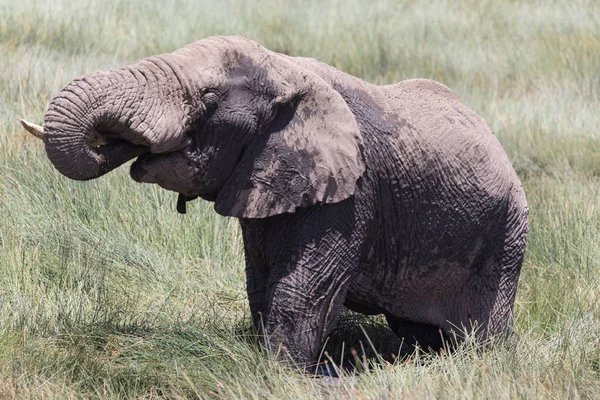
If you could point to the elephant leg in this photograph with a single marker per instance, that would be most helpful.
(486, 303)
(257, 276)
(256, 286)
(303, 307)
(426, 336)
(510, 261)
(308, 259)
(317, 254)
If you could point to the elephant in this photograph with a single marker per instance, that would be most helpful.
(394, 200)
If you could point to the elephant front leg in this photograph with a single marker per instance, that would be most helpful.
(302, 310)
(312, 256)
(257, 275)
(298, 320)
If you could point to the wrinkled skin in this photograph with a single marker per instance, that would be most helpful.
(385, 199)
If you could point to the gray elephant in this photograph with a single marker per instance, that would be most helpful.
(394, 200)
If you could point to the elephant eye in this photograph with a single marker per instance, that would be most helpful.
(210, 101)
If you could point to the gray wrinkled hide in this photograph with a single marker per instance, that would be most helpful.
(387, 199)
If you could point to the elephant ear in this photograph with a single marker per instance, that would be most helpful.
(310, 153)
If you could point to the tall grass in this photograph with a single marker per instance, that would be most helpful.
(106, 292)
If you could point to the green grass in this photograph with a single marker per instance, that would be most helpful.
(106, 292)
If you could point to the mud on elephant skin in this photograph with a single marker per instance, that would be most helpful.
(394, 200)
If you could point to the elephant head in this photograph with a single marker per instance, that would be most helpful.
(223, 118)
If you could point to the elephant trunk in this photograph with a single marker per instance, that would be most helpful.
(105, 119)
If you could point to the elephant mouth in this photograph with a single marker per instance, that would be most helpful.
(150, 168)
(139, 171)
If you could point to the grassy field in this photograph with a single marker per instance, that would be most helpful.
(107, 292)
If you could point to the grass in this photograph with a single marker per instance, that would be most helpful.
(106, 292)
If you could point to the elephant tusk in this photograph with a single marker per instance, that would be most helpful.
(34, 129)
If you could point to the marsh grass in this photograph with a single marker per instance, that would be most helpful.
(106, 292)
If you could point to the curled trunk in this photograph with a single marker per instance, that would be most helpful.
(105, 119)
